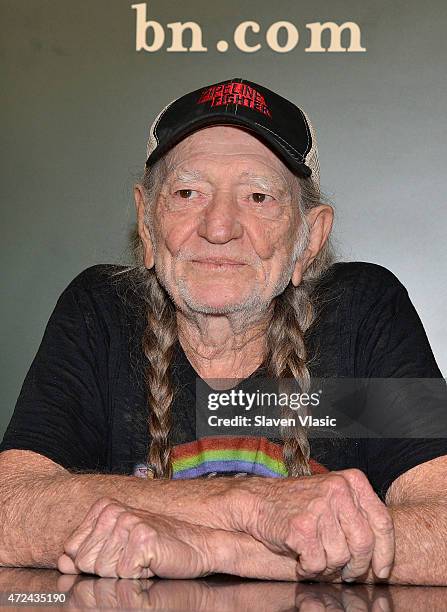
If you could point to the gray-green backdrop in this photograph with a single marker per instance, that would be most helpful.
(77, 99)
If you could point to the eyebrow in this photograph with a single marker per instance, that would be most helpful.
(266, 182)
(188, 175)
(263, 181)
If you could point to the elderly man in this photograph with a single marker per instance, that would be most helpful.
(102, 471)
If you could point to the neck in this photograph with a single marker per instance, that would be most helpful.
(223, 346)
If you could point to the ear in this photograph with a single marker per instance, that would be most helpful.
(320, 221)
(142, 228)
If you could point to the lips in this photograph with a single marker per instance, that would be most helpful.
(219, 261)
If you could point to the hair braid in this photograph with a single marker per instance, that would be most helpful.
(158, 342)
(287, 358)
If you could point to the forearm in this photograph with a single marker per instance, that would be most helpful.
(38, 513)
(421, 543)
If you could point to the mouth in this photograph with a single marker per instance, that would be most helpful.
(218, 262)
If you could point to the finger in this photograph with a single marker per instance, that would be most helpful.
(335, 545)
(85, 527)
(66, 566)
(312, 555)
(89, 550)
(359, 538)
(380, 521)
(85, 559)
(302, 539)
(114, 545)
(138, 556)
(151, 551)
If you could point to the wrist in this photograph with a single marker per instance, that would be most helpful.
(231, 505)
(247, 501)
(225, 505)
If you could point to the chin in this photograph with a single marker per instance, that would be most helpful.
(218, 299)
(215, 306)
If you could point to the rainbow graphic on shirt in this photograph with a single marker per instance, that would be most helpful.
(256, 456)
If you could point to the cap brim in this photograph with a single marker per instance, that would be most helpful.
(279, 147)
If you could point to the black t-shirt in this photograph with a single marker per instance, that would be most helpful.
(83, 402)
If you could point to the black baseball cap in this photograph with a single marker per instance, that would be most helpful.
(279, 123)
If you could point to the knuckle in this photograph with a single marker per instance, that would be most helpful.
(337, 556)
(291, 540)
(364, 546)
(304, 525)
(110, 511)
(301, 528)
(356, 474)
(70, 547)
(384, 522)
(145, 533)
(337, 483)
(126, 519)
(102, 503)
(318, 506)
(360, 552)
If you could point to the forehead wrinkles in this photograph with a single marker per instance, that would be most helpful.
(185, 175)
(194, 153)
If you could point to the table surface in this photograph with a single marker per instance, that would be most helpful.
(218, 593)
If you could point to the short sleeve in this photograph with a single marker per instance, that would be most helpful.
(393, 344)
(392, 341)
(61, 409)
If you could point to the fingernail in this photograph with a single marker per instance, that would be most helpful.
(346, 574)
(384, 572)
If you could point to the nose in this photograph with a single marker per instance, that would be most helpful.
(220, 222)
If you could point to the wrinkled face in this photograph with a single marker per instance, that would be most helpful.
(225, 223)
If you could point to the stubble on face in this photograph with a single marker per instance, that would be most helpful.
(243, 313)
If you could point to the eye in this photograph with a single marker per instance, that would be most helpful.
(260, 198)
(185, 194)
